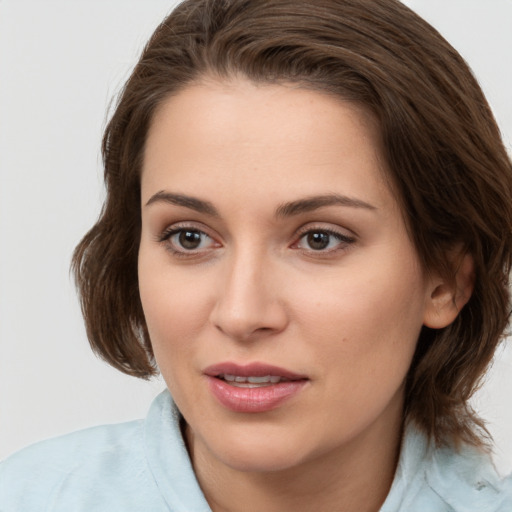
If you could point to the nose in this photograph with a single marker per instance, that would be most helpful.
(249, 302)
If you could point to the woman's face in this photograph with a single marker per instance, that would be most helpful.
(272, 246)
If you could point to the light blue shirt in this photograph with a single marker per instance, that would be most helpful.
(144, 466)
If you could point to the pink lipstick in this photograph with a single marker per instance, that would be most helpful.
(253, 388)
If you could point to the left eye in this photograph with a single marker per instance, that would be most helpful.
(321, 240)
(189, 240)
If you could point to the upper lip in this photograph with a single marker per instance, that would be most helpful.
(256, 369)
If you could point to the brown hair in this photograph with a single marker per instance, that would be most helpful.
(446, 162)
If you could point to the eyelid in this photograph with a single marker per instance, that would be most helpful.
(344, 238)
(164, 237)
(327, 228)
(163, 234)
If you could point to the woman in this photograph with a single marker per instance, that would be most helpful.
(307, 231)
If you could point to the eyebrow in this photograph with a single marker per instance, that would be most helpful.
(290, 209)
(193, 203)
(309, 204)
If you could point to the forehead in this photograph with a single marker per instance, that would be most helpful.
(289, 113)
(276, 138)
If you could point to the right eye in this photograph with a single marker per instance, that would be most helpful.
(187, 240)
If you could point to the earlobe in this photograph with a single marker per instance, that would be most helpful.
(447, 298)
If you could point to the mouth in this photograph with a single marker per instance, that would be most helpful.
(253, 374)
(253, 388)
(251, 381)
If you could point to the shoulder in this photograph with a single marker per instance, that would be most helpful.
(434, 479)
(467, 480)
(69, 467)
(72, 450)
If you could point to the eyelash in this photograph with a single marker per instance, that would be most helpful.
(344, 241)
(166, 236)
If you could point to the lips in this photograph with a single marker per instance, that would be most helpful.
(251, 381)
(251, 370)
(256, 387)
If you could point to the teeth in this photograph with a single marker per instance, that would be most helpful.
(259, 380)
(265, 379)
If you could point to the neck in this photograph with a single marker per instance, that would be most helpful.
(356, 476)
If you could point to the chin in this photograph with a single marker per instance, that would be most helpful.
(266, 460)
(261, 450)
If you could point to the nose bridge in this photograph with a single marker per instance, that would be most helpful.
(248, 299)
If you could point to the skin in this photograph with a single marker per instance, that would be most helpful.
(254, 289)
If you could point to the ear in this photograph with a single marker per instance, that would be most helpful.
(447, 298)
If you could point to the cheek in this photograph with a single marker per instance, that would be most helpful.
(363, 334)
(174, 319)
(172, 309)
(370, 318)
(175, 306)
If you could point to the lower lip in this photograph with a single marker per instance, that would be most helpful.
(260, 399)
